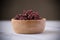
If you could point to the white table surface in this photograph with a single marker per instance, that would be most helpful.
(52, 31)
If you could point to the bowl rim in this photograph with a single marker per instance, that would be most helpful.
(29, 20)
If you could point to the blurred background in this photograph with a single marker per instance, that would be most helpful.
(47, 8)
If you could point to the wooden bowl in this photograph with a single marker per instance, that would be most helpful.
(28, 26)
